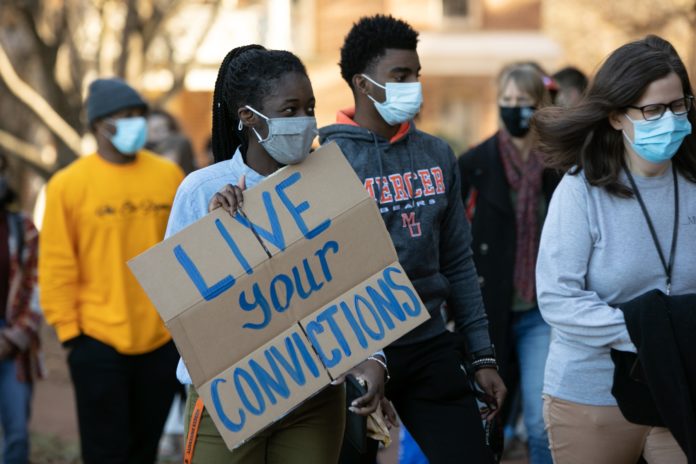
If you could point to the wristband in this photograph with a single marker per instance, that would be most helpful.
(383, 364)
(484, 363)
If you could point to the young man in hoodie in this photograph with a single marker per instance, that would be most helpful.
(414, 179)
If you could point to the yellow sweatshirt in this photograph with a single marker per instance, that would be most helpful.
(98, 216)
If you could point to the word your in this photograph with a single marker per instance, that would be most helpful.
(336, 332)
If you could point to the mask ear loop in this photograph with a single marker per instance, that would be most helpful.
(106, 134)
(378, 85)
(374, 82)
(258, 136)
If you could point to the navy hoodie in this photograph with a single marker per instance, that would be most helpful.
(415, 181)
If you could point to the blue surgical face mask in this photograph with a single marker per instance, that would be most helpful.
(403, 102)
(130, 136)
(658, 141)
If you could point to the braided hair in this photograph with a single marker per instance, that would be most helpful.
(246, 76)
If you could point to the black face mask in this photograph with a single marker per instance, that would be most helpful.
(516, 119)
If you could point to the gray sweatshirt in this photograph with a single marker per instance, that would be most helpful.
(597, 252)
(415, 182)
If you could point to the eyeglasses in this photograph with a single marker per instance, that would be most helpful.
(654, 112)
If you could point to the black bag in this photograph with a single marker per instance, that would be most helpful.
(356, 425)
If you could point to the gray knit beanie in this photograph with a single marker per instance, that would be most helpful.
(108, 96)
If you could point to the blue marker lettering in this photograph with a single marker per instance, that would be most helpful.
(354, 324)
(270, 383)
(358, 300)
(388, 305)
(311, 281)
(306, 356)
(260, 302)
(328, 316)
(276, 237)
(233, 246)
(293, 368)
(412, 311)
(288, 292)
(208, 293)
(313, 328)
(331, 245)
(239, 375)
(297, 210)
(226, 421)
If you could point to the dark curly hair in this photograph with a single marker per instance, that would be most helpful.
(581, 137)
(368, 41)
(247, 75)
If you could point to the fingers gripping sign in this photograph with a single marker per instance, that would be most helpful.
(230, 198)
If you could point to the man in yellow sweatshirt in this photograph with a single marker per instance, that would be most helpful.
(101, 211)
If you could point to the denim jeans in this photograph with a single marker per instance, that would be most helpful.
(15, 402)
(532, 338)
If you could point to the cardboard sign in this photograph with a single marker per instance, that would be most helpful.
(261, 334)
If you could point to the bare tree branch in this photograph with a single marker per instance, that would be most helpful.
(25, 151)
(180, 74)
(102, 38)
(37, 104)
(130, 26)
(47, 53)
(153, 27)
(77, 65)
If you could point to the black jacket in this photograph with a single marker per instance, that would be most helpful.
(486, 193)
(662, 328)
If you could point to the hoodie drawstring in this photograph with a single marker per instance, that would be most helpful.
(381, 173)
(381, 168)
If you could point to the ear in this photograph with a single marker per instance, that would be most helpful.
(247, 117)
(102, 126)
(616, 119)
(360, 84)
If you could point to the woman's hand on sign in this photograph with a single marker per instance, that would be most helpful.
(374, 375)
(230, 198)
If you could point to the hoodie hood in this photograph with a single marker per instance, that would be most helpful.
(346, 127)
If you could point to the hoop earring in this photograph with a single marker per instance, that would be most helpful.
(240, 126)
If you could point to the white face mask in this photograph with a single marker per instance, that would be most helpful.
(289, 140)
(403, 102)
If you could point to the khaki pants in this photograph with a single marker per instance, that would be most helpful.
(312, 433)
(582, 434)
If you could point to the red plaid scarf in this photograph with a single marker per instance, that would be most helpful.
(524, 177)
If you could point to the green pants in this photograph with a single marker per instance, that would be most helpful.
(312, 433)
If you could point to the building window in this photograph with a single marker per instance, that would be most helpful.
(455, 8)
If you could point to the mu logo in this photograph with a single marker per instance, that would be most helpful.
(408, 220)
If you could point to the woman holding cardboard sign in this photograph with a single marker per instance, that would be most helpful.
(263, 119)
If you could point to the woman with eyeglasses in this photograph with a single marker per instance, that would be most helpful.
(619, 225)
